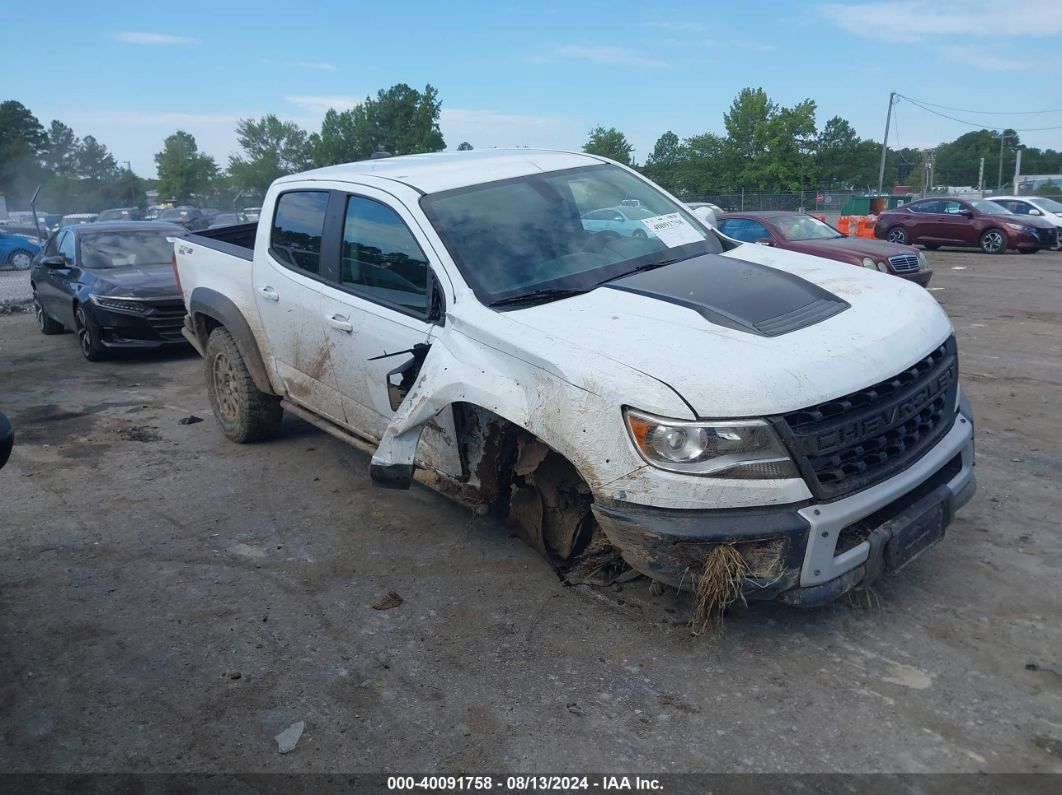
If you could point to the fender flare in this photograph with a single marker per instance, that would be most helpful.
(205, 302)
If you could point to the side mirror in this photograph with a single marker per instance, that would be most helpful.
(1035, 212)
(55, 262)
(706, 216)
(764, 241)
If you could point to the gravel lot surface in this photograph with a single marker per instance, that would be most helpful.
(170, 601)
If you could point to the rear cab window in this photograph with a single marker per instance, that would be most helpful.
(298, 228)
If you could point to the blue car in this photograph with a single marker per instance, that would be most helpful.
(625, 221)
(17, 251)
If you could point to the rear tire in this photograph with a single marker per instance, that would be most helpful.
(640, 234)
(44, 323)
(898, 234)
(993, 241)
(245, 413)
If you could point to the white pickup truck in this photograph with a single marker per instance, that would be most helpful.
(471, 320)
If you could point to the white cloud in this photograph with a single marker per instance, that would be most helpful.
(608, 55)
(982, 58)
(133, 37)
(920, 20)
(321, 104)
(326, 67)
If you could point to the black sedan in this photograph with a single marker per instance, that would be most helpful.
(111, 283)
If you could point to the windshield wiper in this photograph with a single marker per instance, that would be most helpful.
(647, 267)
(538, 297)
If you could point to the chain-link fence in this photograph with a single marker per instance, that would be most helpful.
(811, 201)
(15, 290)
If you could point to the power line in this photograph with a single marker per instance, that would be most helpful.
(972, 123)
(986, 112)
(899, 144)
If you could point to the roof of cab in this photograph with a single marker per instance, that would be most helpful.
(441, 171)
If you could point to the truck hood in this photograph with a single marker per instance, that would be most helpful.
(861, 327)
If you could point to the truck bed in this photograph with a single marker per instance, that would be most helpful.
(237, 240)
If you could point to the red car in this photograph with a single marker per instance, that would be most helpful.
(809, 235)
(965, 222)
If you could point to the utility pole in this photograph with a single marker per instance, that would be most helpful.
(981, 178)
(885, 143)
(1017, 171)
(999, 181)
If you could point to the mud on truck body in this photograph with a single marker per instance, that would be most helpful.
(664, 390)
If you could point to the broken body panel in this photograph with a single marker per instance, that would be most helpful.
(522, 410)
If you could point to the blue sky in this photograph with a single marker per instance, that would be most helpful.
(539, 74)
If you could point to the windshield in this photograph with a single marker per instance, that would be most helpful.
(1049, 205)
(173, 214)
(804, 227)
(561, 231)
(989, 208)
(125, 250)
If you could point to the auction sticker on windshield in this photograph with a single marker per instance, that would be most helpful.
(672, 229)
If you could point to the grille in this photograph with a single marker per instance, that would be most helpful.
(904, 263)
(1048, 237)
(166, 318)
(855, 441)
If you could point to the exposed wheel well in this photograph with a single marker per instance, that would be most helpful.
(526, 483)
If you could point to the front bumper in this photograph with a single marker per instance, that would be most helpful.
(809, 553)
(154, 327)
(920, 277)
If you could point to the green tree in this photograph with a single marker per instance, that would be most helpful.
(705, 169)
(837, 154)
(336, 142)
(789, 163)
(400, 120)
(665, 162)
(746, 123)
(23, 143)
(609, 143)
(464, 146)
(271, 149)
(768, 147)
(61, 156)
(184, 171)
(94, 162)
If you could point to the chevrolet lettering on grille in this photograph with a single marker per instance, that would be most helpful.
(864, 427)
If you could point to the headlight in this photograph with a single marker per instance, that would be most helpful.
(868, 263)
(745, 449)
(119, 304)
(883, 267)
(1017, 227)
(923, 263)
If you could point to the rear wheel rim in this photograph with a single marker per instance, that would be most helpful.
(993, 242)
(897, 236)
(21, 260)
(224, 377)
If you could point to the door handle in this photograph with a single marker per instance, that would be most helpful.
(340, 322)
(269, 294)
